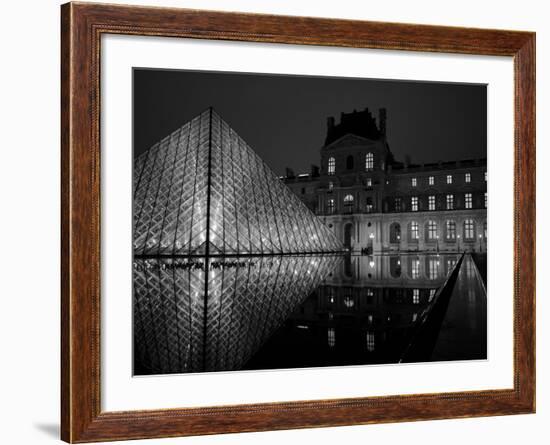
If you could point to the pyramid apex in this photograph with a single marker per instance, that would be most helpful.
(211, 194)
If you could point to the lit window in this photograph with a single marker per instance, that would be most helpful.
(431, 180)
(416, 296)
(433, 264)
(330, 295)
(414, 230)
(331, 337)
(450, 265)
(467, 177)
(397, 204)
(370, 341)
(414, 203)
(369, 182)
(485, 199)
(450, 230)
(468, 200)
(415, 268)
(485, 229)
(469, 229)
(432, 230)
(348, 203)
(432, 294)
(413, 182)
(369, 161)
(431, 202)
(330, 206)
(331, 166)
(485, 176)
(330, 185)
(450, 202)
(449, 179)
(349, 302)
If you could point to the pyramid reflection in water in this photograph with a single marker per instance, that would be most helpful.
(203, 191)
(179, 329)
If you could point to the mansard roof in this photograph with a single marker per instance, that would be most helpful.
(360, 123)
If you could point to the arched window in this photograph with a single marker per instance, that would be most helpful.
(431, 230)
(432, 267)
(450, 230)
(331, 166)
(413, 231)
(349, 162)
(395, 266)
(369, 161)
(414, 267)
(348, 203)
(395, 233)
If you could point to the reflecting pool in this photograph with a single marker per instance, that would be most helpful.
(193, 314)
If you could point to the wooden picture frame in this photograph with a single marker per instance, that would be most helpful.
(82, 25)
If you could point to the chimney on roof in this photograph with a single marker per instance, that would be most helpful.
(314, 171)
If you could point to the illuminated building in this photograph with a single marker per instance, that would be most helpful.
(374, 202)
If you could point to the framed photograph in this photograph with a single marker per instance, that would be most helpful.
(275, 222)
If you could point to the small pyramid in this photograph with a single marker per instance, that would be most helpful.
(203, 191)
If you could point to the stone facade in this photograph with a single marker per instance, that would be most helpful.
(376, 203)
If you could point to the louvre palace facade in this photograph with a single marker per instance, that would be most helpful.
(376, 203)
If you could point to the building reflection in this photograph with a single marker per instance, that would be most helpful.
(367, 311)
(300, 311)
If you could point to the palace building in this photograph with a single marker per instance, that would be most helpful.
(375, 203)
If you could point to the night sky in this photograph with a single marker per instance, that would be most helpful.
(283, 118)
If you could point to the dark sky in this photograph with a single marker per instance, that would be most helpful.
(283, 118)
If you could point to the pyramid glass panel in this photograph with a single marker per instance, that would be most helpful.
(203, 191)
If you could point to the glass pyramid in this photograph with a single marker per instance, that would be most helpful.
(203, 191)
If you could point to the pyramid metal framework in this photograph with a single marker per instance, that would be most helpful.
(203, 191)
(178, 330)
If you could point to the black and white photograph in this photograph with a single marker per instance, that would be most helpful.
(297, 222)
(242, 222)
